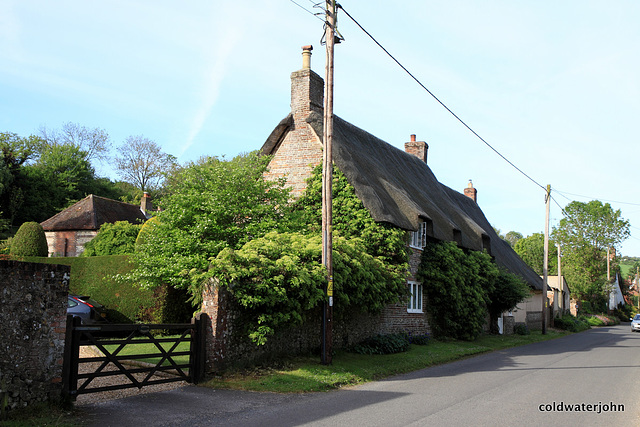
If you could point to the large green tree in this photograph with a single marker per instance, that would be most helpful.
(531, 250)
(211, 204)
(585, 233)
(15, 152)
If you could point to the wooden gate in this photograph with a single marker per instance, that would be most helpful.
(111, 340)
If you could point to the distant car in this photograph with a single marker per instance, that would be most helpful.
(88, 310)
(635, 323)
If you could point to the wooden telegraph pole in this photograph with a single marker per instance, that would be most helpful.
(327, 176)
(545, 263)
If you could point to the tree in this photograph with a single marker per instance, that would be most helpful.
(507, 292)
(531, 250)
(512, 237)
(29, 241)
(61, 176)
(16, 152)
(585, 233)
(141, 162)
(94, 141)
(118, 238)
(211, 205)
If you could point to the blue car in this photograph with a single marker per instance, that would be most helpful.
(88, 310)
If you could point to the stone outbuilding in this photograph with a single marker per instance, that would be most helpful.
(69, 231)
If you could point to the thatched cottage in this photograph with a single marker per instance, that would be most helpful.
(396, 186)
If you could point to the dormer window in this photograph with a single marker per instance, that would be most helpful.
(419, 237)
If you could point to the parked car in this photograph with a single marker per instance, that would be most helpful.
(88, 310)
(635, 323)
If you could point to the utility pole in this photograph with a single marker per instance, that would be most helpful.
(545, 263)
(327, 177)
(608, 264)
(561, 281)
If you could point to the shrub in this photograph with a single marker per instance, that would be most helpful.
(422, 339)
(521, 329)
(572, 324)
(29, 241)
(118, 238)
(383, 344)
(602, 320)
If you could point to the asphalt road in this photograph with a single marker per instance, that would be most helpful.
(597, 372)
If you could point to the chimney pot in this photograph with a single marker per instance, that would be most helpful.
(306, 57)
(413, 137)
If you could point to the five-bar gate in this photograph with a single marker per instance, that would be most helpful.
(168, 355)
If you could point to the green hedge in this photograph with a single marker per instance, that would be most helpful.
(126, 302)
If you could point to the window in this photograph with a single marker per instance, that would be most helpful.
(415, 298)
(419, 238)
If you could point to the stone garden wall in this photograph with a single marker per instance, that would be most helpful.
(33, 306)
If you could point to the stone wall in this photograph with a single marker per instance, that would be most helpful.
(226, 345)
(33, 307)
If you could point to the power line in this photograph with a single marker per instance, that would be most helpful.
(307, 10)
(595, 198)
(439, 101)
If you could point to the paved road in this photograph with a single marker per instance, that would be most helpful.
(520, 386)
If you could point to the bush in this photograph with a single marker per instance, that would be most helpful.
(572, 324)
(422, 339)
(118, 238)
(521, 329)
(602, 320)
(624, 312)
(383, 344)
(29, 241)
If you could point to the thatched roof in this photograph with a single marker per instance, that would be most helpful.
(503, 253)
(399, 188)
(395, 186)
(91, 212)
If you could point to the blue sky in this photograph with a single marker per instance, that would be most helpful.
(551, 85)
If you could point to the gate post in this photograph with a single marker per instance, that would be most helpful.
(70, 363)
(198, 346)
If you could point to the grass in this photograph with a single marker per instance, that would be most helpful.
(306, 374)
(41, 415)
(150, 348)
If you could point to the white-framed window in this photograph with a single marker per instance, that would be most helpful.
(415, 298)
(419, 238)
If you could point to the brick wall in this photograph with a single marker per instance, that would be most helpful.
(33, 307)
(68, 243)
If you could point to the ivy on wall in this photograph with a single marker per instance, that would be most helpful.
(463, 288)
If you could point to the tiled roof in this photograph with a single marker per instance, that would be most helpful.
(91, 212)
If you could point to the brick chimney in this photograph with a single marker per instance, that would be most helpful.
(417, 148)
(307, 89)
(146, 205)
(471, 192)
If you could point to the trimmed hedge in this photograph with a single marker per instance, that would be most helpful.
(126, 302)
(29, 241)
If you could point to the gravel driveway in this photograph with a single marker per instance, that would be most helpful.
(90, 398)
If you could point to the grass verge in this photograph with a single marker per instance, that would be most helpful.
(306, 374)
